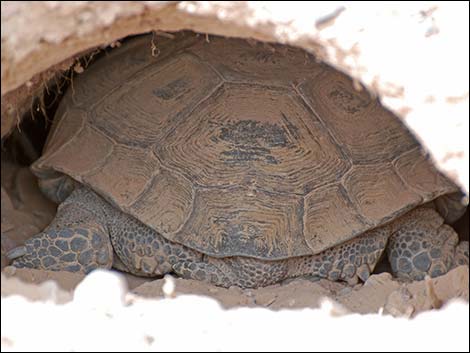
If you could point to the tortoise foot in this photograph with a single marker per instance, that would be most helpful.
(74, 249)
(77, 239)
(423, 245)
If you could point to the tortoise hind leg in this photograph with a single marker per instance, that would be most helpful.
(76, 240)
(351, 261)
(142, 250)
(202, 271)
(422, 244)
(234, 271)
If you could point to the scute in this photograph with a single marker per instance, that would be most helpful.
(233, 147)
(369, 132)
(245, 221)
(242, 61)
(165, 204)
(121, 64)
(417, 171)
(379, 192)
(83, 154)
(134, 167)
(331, 217)
(253, 135)
(153, 102)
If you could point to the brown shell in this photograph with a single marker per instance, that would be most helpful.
(234, 147)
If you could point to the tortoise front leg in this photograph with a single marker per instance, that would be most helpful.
(422, 244)
(77, 239)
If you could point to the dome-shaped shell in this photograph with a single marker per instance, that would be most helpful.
(234, 147)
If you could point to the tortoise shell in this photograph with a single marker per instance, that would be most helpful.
(234, 147)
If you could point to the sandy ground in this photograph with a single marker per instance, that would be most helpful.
(379, 293)
(103, 315)
(176, 314)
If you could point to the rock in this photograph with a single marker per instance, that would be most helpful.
(415, 297)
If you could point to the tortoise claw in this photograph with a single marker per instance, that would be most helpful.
(16, 253)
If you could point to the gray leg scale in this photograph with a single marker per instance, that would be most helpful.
(144, 251)
(422, 244)
(77, 239)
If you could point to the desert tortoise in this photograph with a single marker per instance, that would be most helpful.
(238, 163)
